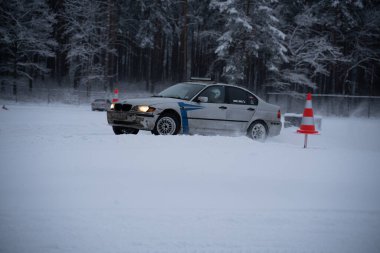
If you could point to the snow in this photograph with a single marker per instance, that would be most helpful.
(67, 184)
(244, 23)
(279, 34)
(225, 40)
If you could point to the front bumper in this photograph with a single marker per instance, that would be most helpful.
(142, 121)
(99, 107)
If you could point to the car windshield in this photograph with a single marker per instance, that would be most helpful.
(184, 91)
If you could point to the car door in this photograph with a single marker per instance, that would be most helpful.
(241, 106)
(210, 119)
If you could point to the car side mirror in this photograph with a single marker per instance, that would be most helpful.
(202, 99)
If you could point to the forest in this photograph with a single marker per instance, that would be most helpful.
(293, 46)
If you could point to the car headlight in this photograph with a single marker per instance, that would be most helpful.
(143, 108)
(112, 106)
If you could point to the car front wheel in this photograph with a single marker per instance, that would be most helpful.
(258, 131)
(124, 130)
(167, 124)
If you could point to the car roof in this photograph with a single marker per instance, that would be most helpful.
(212, 83)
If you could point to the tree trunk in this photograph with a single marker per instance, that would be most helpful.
(30, 85)
(183, 42)
(112, 23)
(149, 86)
(371, 83)
(189, 52)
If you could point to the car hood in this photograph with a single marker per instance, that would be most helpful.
(150, 101)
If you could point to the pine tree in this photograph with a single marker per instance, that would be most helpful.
(251, 45)
(310, 51)
(25, 38)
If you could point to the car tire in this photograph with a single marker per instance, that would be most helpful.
(258, 131)
(167, 124)
(124, 130)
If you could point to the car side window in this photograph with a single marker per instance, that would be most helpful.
(240, 96)
(215, 94)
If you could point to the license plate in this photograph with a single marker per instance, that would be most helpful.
(120, 116)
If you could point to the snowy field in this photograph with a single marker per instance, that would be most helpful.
(68, 184)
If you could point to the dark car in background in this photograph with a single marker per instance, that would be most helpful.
(100, 104)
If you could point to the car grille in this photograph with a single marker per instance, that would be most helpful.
(123, 107)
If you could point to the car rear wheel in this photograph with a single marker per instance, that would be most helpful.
(167, 124)
(124, 130)
(258, 131)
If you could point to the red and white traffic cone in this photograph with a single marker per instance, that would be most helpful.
(307, 125)
(115, 96)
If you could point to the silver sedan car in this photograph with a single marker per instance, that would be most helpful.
(100, 104)
(204, 108)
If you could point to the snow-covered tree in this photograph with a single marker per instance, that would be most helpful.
(328, 42)
(149, 30)
(330, 46)
(88, 44)
(250, 33)
(310, 51)
(25, 38)
(204, 30)
(355, 26)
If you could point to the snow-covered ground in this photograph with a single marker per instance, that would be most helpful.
(68, 184)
